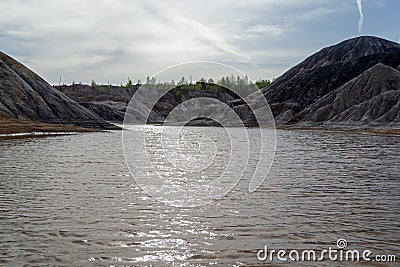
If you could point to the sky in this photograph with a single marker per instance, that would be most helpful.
(109, 41)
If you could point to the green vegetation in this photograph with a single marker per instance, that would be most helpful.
(240, 85)
(263, 83)
(129, 83)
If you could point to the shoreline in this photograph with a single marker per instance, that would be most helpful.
(14, 128)
(347, 129)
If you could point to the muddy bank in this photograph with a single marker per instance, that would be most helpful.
(14, 126)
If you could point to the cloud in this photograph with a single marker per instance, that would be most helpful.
(86, 34)
(361, 21)
(83, 40)
(256, 29)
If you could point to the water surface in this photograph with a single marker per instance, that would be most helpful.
(69, 200)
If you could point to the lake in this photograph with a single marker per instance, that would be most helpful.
(70, 200)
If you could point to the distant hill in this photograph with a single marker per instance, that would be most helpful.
(352, 83)
(26, 96)
(325, 71)
(371, 98)
(110, 102)
(292, 95)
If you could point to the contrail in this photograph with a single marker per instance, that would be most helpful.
(361, 21)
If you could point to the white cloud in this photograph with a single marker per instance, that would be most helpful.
(360, 11)
(110, 40)
(273, 30)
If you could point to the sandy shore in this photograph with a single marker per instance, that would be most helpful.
(14, 126)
